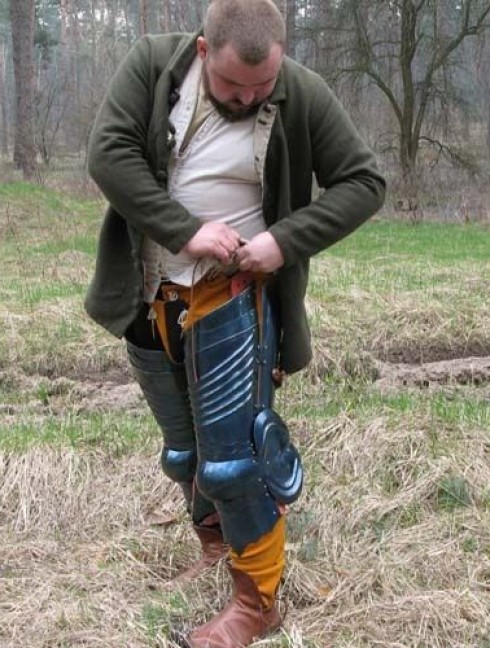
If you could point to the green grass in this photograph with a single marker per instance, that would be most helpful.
(359, 400)
(159, 616)
(47, 244)
(388, 258)
(85, 243)
(34, 200)
(453, 493)
(116, 434)
(38, 219)
(431, 242)
(34, 293)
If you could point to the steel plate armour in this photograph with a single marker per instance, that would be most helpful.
(164, 385)
(229, 360)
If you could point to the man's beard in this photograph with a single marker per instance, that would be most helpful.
(228, 113)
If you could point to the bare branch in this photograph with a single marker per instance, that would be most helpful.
(448, 151)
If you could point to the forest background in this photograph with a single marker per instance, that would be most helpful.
(414, 75)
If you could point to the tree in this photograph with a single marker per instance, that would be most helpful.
(3, 104)
(483, 75)
(144, 17)
(22, 18)
(164, 20)
(407, 49)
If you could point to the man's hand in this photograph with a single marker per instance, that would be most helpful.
(214, 239)
(260, 254)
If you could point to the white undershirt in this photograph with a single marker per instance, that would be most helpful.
(212, 174)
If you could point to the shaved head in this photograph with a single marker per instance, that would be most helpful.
(250, 26)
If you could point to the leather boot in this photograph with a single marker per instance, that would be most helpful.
(242, 621)
(213, 549)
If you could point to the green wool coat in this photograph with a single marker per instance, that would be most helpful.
(128, 157)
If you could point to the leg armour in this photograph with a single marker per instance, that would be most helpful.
(164, 386)
(229, 359)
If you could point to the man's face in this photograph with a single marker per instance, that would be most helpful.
(235, 88)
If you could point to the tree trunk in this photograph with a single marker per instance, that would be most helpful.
(112, 35)
(22, 17)
(4, 148)
(73, 134)
(483, 76)
(144, 19)
(289, 13)
(408, 154)
(63, 49)
(164, 20)
(127, 23)
(93, 52)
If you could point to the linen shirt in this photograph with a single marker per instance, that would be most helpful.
(213, 173)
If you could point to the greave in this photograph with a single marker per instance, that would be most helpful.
(164, 385)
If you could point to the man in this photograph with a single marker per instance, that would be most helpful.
(205, 147)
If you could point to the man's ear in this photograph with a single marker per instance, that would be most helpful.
(202, 47)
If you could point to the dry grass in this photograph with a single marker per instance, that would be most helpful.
(375, 558)
(32, 338)
(405, 313)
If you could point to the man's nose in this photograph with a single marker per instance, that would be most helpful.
(246, 96)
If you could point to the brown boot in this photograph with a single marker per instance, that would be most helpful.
(213, 549)
(242, 621)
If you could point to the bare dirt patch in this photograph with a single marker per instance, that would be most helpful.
(117, 374)
(101, 391)
(94, 397)
(433, 351)
(472, 372)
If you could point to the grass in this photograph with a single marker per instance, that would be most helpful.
(388, 545)
(114, 433)
(431, 241)
(357, 399)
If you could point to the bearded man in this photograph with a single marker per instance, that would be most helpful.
(205, 148)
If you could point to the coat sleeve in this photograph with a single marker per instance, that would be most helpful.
(352, 188)
(118, 157)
